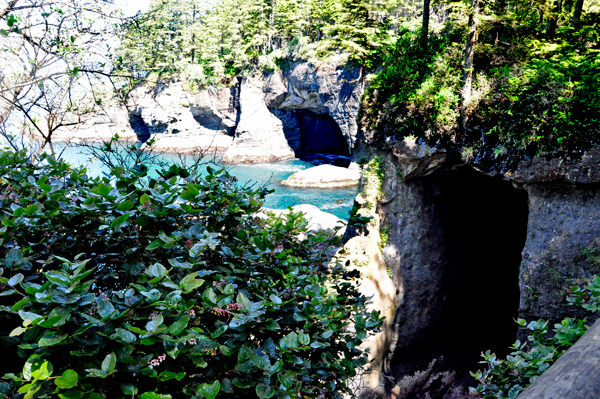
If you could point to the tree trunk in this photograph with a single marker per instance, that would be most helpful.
(576, 375)
(496, 30)
(551, 25)
(425, 28)
(468, 67)
(576, 21)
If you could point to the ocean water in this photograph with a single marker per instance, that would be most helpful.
(337, 201)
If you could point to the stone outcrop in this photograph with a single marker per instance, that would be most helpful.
(168, 109)
(330, 91)
(314, 107)
(259, 134)
(324, 176)
(469, 252)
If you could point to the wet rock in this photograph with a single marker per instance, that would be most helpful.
(324, 176)
(259, 134)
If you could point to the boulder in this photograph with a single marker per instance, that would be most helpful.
(324, 176)
(259, 135)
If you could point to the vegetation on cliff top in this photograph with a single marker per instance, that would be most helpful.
(207, 44)
(500, 81)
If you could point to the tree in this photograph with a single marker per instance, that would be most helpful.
(470, 42)
(576, 20)
(425, 26)
(53, 57)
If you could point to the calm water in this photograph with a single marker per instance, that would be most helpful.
(334, 200)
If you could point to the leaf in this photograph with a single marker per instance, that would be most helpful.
(129, 389)
(209, 391)
(17, 331)
(116, 224)
(124, 336)
(105, 308)
(51, 338)
(16, 279)
(125, 206)
(264, 391)
(43, 372)
(14, 257)
(29, 318)
(303, 338)
(179, 325)
(73, 394)
(209, 297)
(244, 301)
(109, 362)
(190, 282)
(219, 331)
(155, 323)
(154, 395)
(68, 380)
(290, 341)
(275, 299)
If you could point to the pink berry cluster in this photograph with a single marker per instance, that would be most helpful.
(192, 313)
(157, 361)
(234, 306)
(220, 312)
(103, 295)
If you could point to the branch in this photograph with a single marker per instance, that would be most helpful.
(10, 7)
(32, 82)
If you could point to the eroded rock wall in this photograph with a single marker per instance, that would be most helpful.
(469, 252)
(316, 108)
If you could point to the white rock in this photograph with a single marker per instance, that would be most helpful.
(324, 176)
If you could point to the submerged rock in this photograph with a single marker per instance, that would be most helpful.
(259, 134)
(324, 176)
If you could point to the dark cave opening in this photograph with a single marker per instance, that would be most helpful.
(485, 230)
(315, 138)
(475, 228)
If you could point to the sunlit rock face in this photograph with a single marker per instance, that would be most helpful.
(321, 97)
(259, 134)
(316, 109)
(469, 252)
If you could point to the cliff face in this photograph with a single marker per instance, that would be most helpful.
(304, 110)
(470, 252)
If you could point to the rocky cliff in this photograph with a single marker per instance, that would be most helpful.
(470, 252)
(306, 109)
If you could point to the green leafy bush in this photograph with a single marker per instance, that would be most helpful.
(170, 287)
(507, 378)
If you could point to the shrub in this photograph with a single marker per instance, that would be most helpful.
(507, 378)
(169, 287)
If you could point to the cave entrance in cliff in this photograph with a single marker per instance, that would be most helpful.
(484, 230)
(321, 139)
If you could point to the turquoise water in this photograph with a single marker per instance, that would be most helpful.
(338, 201)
